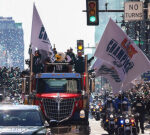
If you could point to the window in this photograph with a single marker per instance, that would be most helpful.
(59, 85)
(20, 118)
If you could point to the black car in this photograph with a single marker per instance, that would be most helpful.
(22, 120)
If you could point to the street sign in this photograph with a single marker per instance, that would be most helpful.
(133, 11)
(146, 76)
(148, 11)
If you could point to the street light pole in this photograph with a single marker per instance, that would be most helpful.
(31, 63)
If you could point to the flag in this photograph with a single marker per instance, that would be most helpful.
(103, 68)
(121, 52)
(128, 86)
(39, 37)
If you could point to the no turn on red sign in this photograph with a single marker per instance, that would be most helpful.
(133, 11)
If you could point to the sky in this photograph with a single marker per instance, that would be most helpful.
(64, 21)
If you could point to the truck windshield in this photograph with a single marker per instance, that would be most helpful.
(45, 85)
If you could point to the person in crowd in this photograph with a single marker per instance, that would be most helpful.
(37, 64)
(70, 58)
(47, 65)
(79, 63)
(121, 103)
(68, 61)
(71, 54)
(148, 107)
(109, 106)
(139, 109)
(55, 51)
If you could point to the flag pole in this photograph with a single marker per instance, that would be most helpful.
(31, 68)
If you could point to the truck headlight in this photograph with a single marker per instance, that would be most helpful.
(97, 107)
(111, 116)
(82, 114)
(127, 121)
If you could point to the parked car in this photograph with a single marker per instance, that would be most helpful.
(22, 120)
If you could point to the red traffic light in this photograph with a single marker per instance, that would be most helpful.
(92, 4)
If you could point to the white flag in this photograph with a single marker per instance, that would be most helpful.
(39, 38)
(128, 86)
(121, 52)
(102, 68)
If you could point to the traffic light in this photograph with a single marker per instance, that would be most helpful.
(80, 46)
(92, 12)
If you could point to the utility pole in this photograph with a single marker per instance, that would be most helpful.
(147, 26)
(106, 4)
(31, 70)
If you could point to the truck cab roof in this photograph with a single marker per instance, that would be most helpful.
(58, 75)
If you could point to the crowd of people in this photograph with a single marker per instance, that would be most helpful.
(10, 80)
(64, 62)
(137, 98)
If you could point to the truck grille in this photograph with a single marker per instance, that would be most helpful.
(58, 110)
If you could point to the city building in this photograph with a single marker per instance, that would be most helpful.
(11, 43)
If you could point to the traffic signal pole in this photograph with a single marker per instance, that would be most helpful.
(92, 10)
(106, 10)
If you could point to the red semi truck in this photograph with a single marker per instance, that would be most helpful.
(63, 97)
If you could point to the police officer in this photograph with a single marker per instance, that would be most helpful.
(121, 103)
(109, 104)
(139, 109)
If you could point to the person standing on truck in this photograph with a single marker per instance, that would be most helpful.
(37, 63)
(72, 55)
(47, 66)
(79, 63)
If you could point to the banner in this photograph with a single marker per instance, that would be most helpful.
(121, 52)
(39, 38)
(128, 86)
(102, 68)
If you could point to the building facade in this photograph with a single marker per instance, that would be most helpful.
(11, 43)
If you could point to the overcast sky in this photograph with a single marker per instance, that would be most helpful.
(63, 19)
